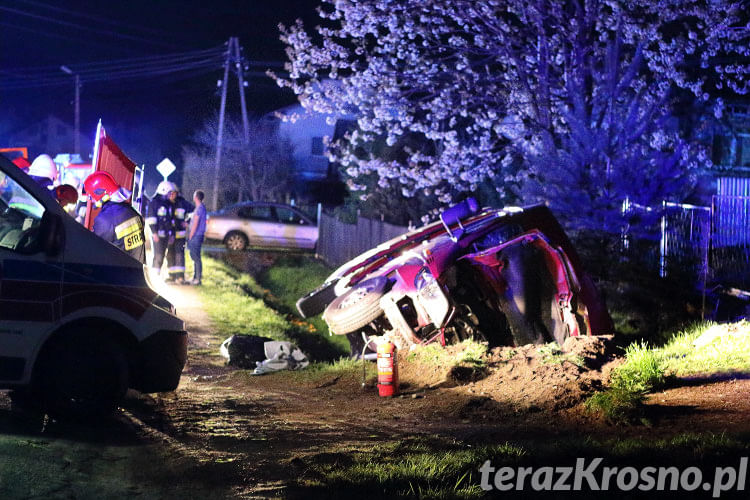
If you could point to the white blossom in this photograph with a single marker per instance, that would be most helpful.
(568, 99)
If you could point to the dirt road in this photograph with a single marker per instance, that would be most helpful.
(264, 432)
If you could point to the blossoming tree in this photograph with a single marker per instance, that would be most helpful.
(565, 101)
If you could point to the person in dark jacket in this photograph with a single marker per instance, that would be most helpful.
(182, 211)
(160, 218)
(44, 171)
(117, 222)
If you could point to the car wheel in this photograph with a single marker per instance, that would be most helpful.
(83, 375)
(356, 308)
(235, 241)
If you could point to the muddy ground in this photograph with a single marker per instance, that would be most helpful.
(227, 434)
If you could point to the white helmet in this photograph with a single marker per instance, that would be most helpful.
(166, 187)
(43, 166)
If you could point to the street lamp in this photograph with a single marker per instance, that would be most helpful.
(77, 112)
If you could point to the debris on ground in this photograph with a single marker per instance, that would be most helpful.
(244, 351)
(262, 354)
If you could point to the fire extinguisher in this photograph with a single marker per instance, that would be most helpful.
(387, 370)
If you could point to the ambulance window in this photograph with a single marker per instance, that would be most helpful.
(20, 216)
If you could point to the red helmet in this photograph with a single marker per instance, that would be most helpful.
(66, 194)
(99, 184)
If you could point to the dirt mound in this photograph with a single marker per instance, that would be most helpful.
(525, 378)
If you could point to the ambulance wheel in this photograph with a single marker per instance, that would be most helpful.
(83, 375)
(235, 241)
(356, 308)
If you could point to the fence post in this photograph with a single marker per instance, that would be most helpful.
(663, 242)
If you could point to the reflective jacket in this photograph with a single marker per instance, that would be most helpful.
(160, 217)
(122, 226)
(182, 211)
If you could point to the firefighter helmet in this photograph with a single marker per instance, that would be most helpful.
(43, 166)
(166, 187)
(66, 195)
(100, 184)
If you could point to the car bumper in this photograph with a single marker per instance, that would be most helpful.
(160, 360)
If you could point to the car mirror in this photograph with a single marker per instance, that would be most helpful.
(52, 232)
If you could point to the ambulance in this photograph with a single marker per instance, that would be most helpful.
(80, 322)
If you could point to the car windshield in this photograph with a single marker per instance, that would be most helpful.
(20, 216)
(498, 236)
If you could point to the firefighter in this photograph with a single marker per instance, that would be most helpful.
(160, 218)
(44, 171)
(182, 211)
(67, 196)
(117, 222)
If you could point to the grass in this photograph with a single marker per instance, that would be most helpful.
(232, 310)
(414, 467)
(552, 353)
(723, 349)
(467, 353)
(293, 277)
(238, 305)
(726, 351)
(438, 467)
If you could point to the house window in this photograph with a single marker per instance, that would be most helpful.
(317, 146)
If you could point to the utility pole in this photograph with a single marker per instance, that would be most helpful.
(77, 110)
(220, 134)
(232, 57)
(241, 80)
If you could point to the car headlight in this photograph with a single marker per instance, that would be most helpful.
(432, 297)
(159, 301)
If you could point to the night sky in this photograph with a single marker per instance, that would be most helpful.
(150, 117)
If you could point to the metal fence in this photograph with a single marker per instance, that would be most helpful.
(339, 242)
(709, 244)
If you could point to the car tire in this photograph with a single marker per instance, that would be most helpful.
(356, 308)
(83, 375)
(235, 241)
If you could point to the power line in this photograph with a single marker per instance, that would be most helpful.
(132, 61)
(84, 27)
(85, 15)
(111, 70)
(40, 32)
(11, 84)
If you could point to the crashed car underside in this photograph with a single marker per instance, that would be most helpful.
(507, 276)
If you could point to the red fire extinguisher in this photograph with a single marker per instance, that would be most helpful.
(387, 370)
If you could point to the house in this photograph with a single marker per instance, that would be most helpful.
(50, 135)
(306, 133)
(731, 140)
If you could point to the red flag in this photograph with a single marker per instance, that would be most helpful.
(108, 157)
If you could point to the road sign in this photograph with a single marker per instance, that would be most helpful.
(165, 168)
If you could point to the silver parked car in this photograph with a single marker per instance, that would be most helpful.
(264, 225)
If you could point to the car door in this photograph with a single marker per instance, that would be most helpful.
(29, 279)
(295, 230)
(259, 225)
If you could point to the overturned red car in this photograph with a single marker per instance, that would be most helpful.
(504, 276)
